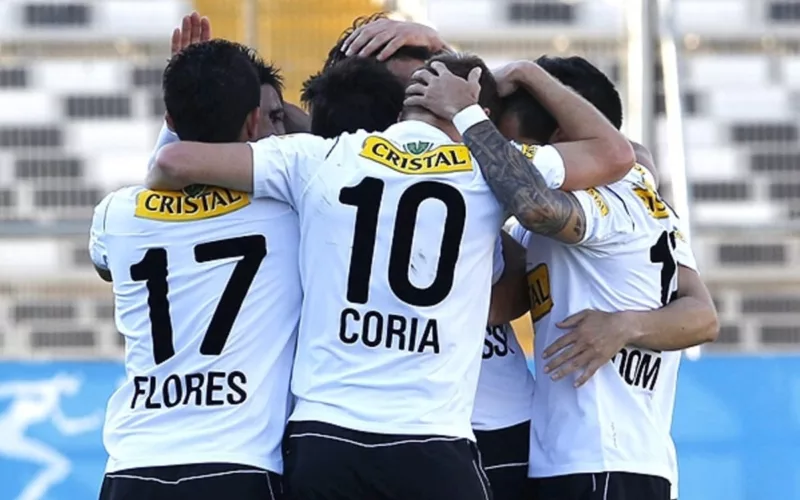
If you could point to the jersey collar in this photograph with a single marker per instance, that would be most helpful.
(415, 129)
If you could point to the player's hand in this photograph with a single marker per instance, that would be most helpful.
(384, 37)
(593, 340)
(508, 77)
(193, 29)
(443, 93)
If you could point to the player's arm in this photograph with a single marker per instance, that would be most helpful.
(182, 164)
(596, 152)
(510, 294)
(688, 321)
(275, 167)
(522, 190)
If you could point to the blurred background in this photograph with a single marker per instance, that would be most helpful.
(711, 86)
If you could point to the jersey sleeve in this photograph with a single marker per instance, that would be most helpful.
(165, 136)
(97, 234)
(499, 264)
(517, 232)
(283, 166)
(548, 162)
(607, 223)
(683, 248)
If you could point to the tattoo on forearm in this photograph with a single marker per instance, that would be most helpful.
(520, 187)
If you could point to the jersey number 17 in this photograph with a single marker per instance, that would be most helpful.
(152, 269)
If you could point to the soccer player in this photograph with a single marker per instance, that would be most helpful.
(687, 321)
(207, 296)
(277, 116)
(398, 230)
(606, 436)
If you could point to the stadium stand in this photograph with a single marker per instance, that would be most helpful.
(80, 108)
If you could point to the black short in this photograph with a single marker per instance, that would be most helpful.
(601, 486)
(504, 455)
(327, 462)
(196, 481)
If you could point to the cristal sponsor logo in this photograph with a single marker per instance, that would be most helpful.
(539, 289)
(193, 203)
(599, 201)
(418, 158)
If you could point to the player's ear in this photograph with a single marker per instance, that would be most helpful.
(556, 137)
(251, 132)
(488, 113)
(168, 119)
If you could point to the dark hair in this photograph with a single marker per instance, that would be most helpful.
(268, 73)
(357, 93)
(588, 81)
(535, 121)
(335, 55)
(209, 89)
(461, 65)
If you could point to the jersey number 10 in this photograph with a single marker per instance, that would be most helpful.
(366, 196)
(152, 269)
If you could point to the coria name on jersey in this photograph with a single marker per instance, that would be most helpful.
(389, 331)
(191, 389)
(418, 157)
(539, 290)
(495, 344)
(194, 203)
(638, 367)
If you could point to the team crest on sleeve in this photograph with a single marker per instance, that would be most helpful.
(599, 201)
(195, 202)
(417, 158)
(539, 289)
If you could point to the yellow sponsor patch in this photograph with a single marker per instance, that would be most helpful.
(599, 201)
(539, 291)
(652, 202)
(529, 151)
(441, 160)
(194, 203)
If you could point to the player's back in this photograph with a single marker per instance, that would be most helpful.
(628, 261)
(399, 230)
(207, 296)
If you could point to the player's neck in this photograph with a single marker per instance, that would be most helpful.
(425, 116)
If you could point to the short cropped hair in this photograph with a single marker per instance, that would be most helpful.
(461, 65)
(588, 81)
(209, 89)
(335, 55)
(357, 93)
(534, 120)
(268, 73)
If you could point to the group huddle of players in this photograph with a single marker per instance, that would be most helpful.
(317, 307)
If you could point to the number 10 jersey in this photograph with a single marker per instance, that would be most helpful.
(398, 231)
(207, 295)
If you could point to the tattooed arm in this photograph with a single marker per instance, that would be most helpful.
(521, 189)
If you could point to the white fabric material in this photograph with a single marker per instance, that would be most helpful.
(166, 411)
(619, 420)
(373, 360)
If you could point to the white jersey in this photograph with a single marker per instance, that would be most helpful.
(207, 295)
(619, 420)
(398, 230)
(505, 387)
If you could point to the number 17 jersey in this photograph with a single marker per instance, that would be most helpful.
(398, 231)
(207, 295)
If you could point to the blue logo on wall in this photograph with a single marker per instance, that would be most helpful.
(51, 421)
